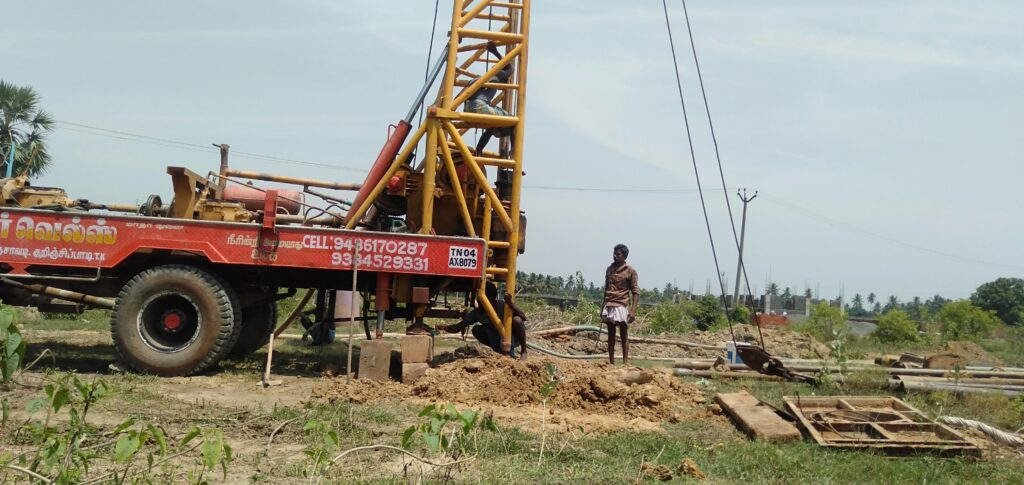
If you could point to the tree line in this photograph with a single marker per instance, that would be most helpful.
(1003, 298)
(575, 286)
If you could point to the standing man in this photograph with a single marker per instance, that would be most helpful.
(619, 310)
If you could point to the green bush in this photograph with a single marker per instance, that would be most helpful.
(669, 317)
(707, 313)
(826, 323)
(12, 346)
(963, 321)
(739, 314)
(895, 326)
(585, 312)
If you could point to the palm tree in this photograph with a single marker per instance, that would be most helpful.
(871, 298)
(858, 301)
(857, 306)
(23, 125)
(892, 304)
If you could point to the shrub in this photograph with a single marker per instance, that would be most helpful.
(739, 314)
(12, 346)
(826, 323)
(963, 321)
(669, 317)
(895, 326)
(707, 313)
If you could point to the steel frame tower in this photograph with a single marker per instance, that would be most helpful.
(484, 209)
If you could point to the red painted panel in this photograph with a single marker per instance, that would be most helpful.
(30, 237)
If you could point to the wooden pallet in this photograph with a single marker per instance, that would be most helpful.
(886, 424)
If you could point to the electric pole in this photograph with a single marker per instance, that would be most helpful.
(743, 232)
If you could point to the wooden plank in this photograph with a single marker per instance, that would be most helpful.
(758, 421)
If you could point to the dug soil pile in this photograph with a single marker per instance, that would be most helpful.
(626, 392)
(597, 397)
(972, 353)
(781, 343)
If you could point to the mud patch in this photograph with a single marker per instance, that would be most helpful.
(972, 353)
(360, 390)
(652, 394)
(597, 397)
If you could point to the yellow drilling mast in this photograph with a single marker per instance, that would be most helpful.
(448, 191)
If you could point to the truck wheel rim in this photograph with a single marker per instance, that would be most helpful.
(169, 322)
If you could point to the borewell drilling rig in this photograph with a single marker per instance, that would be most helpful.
(196, 280)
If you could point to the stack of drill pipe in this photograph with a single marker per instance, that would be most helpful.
(640, 340)
(1008, 387)
(971, 371)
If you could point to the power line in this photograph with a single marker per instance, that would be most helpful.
(835, 222)
(696, 172)
(610, 189)
(169, 143)
(718, 157)
(153, 140)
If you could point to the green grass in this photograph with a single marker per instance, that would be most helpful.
(511, 454)
(95, 320)
(616, 458)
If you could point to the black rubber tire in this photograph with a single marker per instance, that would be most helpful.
(205, 309)
(258, 322)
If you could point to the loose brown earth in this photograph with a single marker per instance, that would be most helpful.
(972, 353)
(594, 396)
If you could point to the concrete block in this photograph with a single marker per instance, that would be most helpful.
(374, 360)
(413, 372)
(417, 349)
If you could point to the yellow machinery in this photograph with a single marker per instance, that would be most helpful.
(447, 192)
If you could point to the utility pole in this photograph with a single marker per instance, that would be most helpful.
(743, 232)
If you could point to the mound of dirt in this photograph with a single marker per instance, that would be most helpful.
(596, 397)
(780, 343)
(651, 394)
(972, 353)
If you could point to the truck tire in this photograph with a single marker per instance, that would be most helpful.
(174, 320)
(258, 322)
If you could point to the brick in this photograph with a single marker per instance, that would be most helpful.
(413, 372)
(374, 360)
(417, 349)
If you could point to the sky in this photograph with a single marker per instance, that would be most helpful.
(883, 137)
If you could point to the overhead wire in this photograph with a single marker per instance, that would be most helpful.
(836, 222)
(721, 171)
(775, 200)
(696, 171)
(166, 142)
(430, 55)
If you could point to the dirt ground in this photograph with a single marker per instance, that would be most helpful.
(593, 396)
(972, 352)
(781, 343)
(589, 399)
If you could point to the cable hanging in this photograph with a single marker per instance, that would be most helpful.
(721, 172)
(696, 172)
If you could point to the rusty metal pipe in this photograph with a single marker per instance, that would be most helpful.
(328, 220)
(72, 296)
(284, 179)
